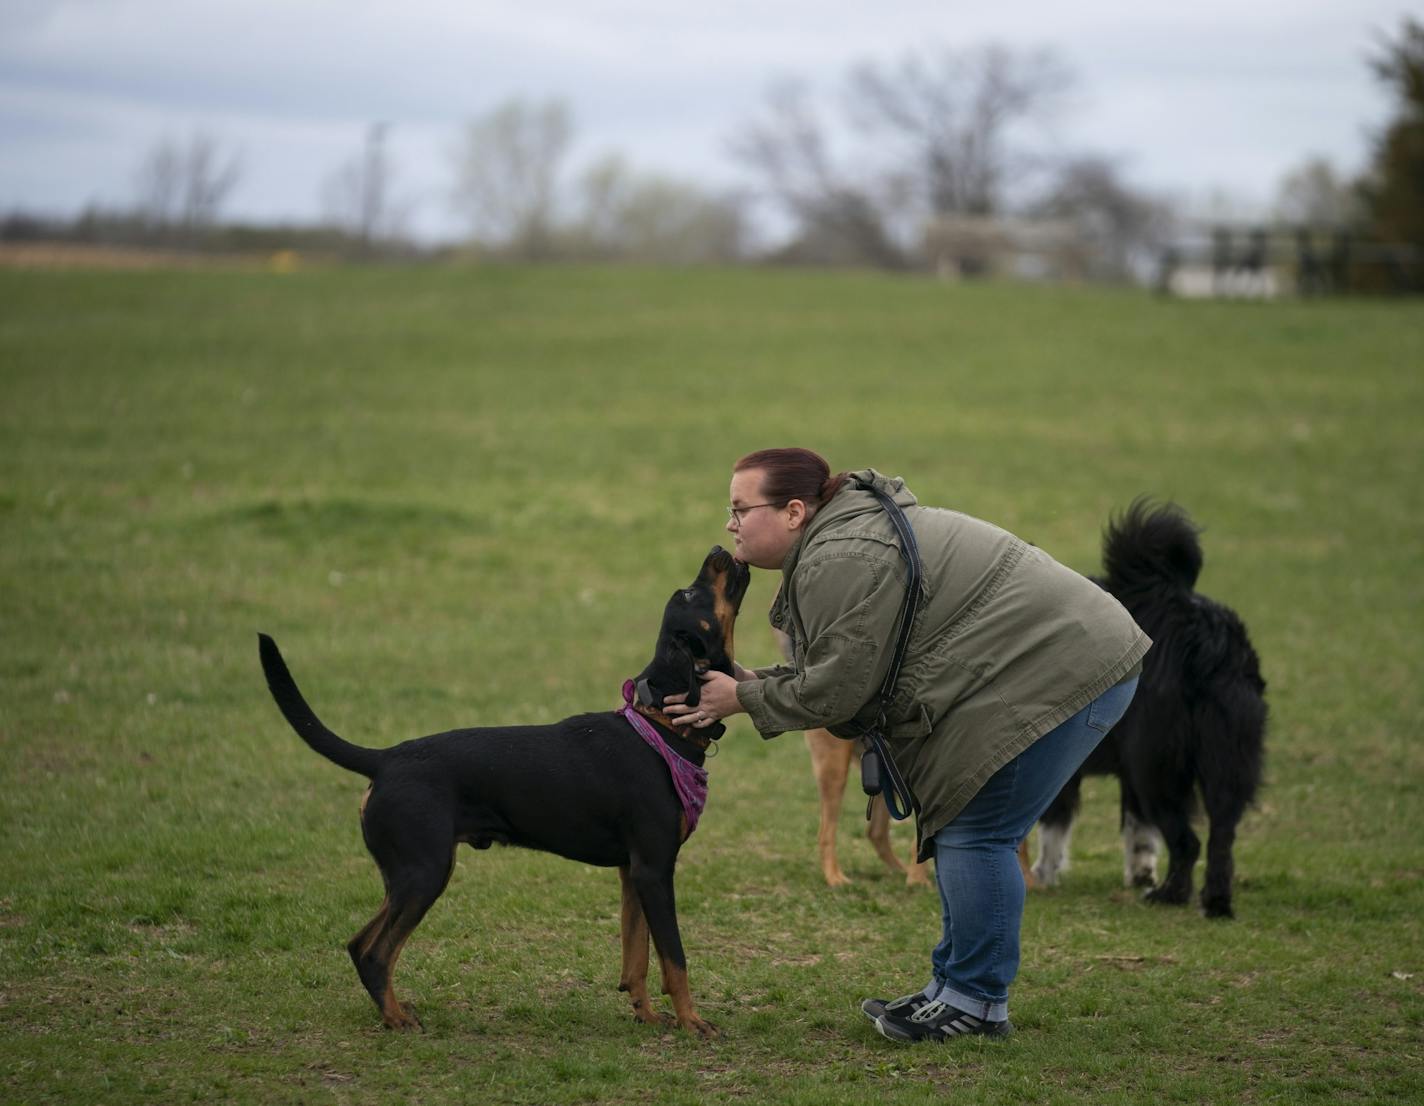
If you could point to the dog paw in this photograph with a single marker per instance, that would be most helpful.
(1217, 908)
(645, 1012)
(704, 1029)
(837, 879)
(1167, 895)
(404, 1018)
(1044, 876)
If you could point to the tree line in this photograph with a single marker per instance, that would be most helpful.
(933, 159)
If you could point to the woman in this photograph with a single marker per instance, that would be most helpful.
(1015, 670)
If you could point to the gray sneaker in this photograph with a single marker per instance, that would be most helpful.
(877, 1008)
(938, 1021)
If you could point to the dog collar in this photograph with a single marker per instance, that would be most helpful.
(688, 779)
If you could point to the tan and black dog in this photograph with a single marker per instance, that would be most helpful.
(832, 759)
(588, 788)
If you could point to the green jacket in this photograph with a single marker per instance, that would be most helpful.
(1007, 643)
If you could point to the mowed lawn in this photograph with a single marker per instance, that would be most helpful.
(461, 496)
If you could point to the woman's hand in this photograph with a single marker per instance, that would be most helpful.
(719, 700)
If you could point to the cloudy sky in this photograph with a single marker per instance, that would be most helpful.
(1197, 97)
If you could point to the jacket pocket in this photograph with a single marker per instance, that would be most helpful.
(1100, 716)
(920, 725)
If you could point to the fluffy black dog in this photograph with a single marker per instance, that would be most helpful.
(1198, 719)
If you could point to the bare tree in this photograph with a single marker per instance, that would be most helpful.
(952, 113)
(358, 196)
(159, 185)
(650, 217)
(507, 173)
(838, 213)
(936, 135)
(1123, 231)
(183, 186)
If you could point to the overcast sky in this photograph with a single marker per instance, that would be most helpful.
(1191, 96)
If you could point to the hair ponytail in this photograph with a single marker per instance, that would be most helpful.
(794, 473)
(832, 485)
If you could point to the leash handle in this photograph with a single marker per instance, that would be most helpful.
(899, 799)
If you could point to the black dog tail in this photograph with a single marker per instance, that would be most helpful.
(1150, 545)
(304, 720)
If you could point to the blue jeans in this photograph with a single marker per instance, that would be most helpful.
(981, 887)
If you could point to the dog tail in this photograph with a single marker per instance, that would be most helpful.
(1149, 545)
(304, 720)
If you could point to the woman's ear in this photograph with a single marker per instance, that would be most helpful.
(796, 515)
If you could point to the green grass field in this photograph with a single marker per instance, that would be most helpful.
(459, 497)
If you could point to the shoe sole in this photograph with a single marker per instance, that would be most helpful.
(895, 1033)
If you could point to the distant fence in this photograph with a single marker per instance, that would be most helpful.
(1258, 263)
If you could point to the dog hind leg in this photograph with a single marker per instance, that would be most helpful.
(1225, 804)
(1183, 848)
(410, 893)
(1220, 868)
(1229, 772)
(416, 855)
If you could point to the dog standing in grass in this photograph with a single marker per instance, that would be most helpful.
(831, 762)
(1198, 720)
(616, 789)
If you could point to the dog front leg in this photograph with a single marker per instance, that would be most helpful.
(1030, 880)
(655, 892)
(634, 979)
(830, 764)
(1055, 831)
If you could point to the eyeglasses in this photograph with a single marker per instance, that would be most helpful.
(736, 513)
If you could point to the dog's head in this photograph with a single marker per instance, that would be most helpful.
(696, 634)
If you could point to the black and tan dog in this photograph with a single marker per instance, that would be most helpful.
(588, 788)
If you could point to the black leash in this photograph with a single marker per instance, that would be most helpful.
(899, 799)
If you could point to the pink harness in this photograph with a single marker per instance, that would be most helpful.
(688, 779)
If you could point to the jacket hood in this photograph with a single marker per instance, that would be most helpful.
(893, 486)
(853, 499)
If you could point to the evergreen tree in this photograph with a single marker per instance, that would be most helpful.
(1394, 188)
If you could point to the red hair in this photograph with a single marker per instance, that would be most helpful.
(794, 473)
